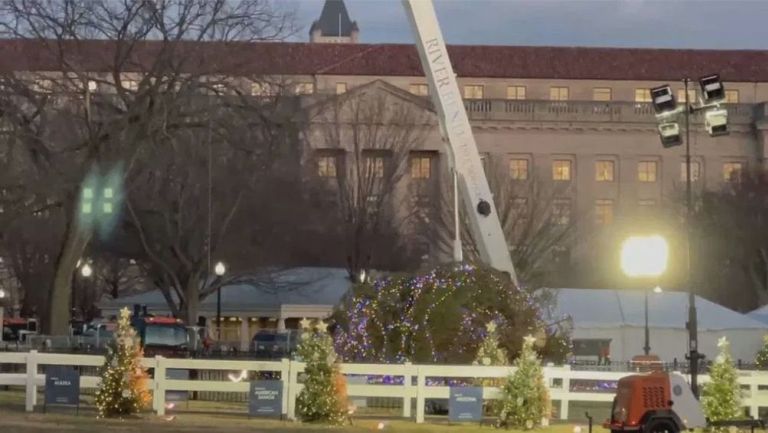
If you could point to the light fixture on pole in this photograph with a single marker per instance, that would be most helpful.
(712, 94)
(220, 269)
(86, 270)
(645, 257)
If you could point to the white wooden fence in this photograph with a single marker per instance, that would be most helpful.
(559, 380)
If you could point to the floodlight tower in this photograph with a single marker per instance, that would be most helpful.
(716, 124)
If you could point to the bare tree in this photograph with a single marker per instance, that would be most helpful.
(538, 219)
(91, 116)
(360, 144)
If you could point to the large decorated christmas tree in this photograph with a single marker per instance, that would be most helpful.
(123, 387)
(525, 402)
(721, 396)
(440, 317)
(323, 398)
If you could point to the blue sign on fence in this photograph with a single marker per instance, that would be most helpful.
(265, 398)
(465, 404)
(62, 386)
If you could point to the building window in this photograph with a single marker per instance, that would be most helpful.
(561, 211)
(604, 211)
(341, 88)
(131, 85)
(642, 95)
(601, 94)
(92, 86)
(305, 88)
(419, 89)
(421, 167)
(695, 171)
(518, 169)
(681, 96)
(732, 171)
(473, 91)
(374, 166)
(646, 202)
(326, 166)
(264, 89)
(519, 207)
(731, 96)
(558, 93)
(646, 171)
(516, 92)
(561, 169)
(43, 86)
(604, 171)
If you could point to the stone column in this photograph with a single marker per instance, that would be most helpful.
(245, 333)
(281, 323)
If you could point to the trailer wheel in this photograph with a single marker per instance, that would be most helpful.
(660, 426)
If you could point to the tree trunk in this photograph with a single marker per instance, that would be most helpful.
(192, 298)
(59, 311)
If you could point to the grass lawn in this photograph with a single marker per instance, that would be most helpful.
(205, 417)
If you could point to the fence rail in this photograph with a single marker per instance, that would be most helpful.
(407, 382)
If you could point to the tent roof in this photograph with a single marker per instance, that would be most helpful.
(602, 308)
(296, 286)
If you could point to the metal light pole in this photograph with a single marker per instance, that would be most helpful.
(693, 354)
(647, 347)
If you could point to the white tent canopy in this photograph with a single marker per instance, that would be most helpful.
(619, 316)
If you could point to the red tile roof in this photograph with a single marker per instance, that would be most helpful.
(401, 60)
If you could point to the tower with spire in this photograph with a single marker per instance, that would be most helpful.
(334, 25)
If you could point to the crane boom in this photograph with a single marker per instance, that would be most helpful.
(485, 225)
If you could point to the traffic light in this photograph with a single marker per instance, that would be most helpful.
(716, 122)
(670, 134)
(663, 100)
(712, 90)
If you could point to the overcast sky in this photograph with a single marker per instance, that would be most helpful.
(732, 24)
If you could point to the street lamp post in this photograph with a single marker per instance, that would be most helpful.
(645, 256)
(220, 270)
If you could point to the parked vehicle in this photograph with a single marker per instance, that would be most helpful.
(273, 344)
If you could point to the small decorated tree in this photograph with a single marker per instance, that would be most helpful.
(761, 359)
(323, 398)
(525, 402)
(123, 387)
(721, 397)
(490, 353)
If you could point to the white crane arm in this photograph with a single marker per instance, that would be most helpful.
(463, 155)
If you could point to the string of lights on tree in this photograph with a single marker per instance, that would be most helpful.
(123, 387)
(440, 316)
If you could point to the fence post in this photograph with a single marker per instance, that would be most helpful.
(158, 397)
(293, 378)
(421, 383)
(285, 378)
(564, 401)
(408, 383)
(31, 388)
(753, 389)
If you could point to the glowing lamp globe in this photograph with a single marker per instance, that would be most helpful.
(644, 256)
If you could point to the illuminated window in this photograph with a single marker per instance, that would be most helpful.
(326, 166)
(561, 169)
(131, 85)
(642, 95)
(341, 88)
(305, 88)
(263, 89)
(601, 94)
(421, 167)
(518, 169)
(731, 96)
(681, 96)
(695, 171)
(604, 171)
(558, 93)
(646, 171)
(92, 86)
(374, 166)
(732, 171)
(419, 89)
(516, 92)
(43, 86)
(473, 91)
(604, 211)
(561, 211)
